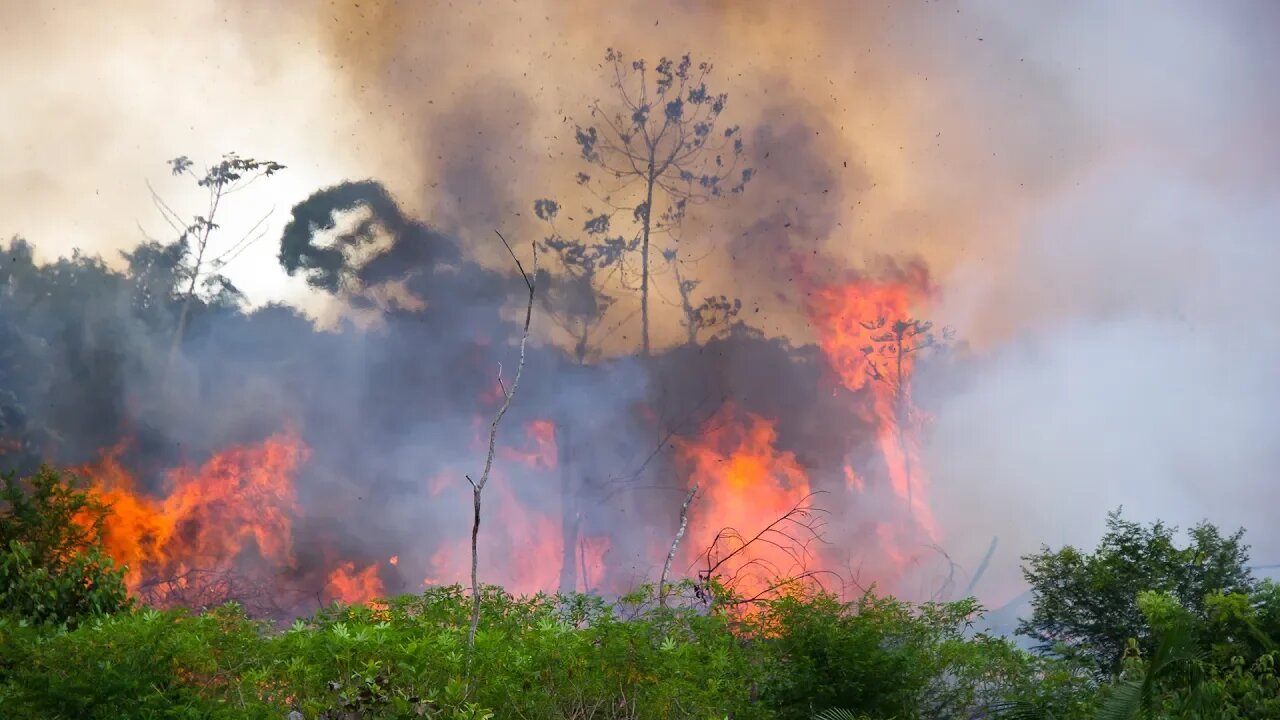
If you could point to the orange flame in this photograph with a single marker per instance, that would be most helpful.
(240, 500)
(347, 585)
(539, 450)
(522, 546)
(745, 484)
(865, 330)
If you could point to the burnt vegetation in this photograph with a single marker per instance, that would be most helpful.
(157, 355)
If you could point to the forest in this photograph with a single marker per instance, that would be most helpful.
(545, 477)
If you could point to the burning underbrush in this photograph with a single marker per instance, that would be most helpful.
(774, 500)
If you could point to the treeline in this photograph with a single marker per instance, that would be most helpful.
(96, 356)
(1141, 626)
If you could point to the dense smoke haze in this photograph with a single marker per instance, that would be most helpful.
(1085, 193)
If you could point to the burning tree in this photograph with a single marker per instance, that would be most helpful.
(889, 356)
(868, 334)
(658, 149)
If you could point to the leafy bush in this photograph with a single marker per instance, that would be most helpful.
(1085, 604)
(52, 565)
(539, 657)
(138, 664)
(886, 658)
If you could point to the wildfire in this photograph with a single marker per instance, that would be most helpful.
(865, 330)
(346, 584)
(237, 510)
(522, 545)
(746, 485)
(241, 501)
(539, 450)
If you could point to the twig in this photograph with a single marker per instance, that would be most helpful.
(675, 543)
(477, 487)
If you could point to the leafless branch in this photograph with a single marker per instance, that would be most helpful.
(477, 486)
(791, 534)
(675, 544)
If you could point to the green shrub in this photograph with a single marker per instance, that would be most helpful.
(141, 664)
(52, 565)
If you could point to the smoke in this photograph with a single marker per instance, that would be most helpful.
(1091, 184)
(1128, 357)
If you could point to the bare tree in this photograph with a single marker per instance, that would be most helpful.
(232, 174)
(659, 149)
(477, 486)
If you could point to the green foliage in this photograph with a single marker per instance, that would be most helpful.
(838, 714)
(1085, 605)
(52, 566)
(885, 658)
(144, 664)
(71, 647)
(541, 657)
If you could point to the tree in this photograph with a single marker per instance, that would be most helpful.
(1086, 604)
(232, 174)
(578, 300)
(658, 150)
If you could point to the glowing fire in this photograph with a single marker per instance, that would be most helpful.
(745, 484)
(865, 330)
(521, 545)
(346, 584)
(240, 501)
(539, 450)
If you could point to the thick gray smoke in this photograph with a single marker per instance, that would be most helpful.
(1134, 355)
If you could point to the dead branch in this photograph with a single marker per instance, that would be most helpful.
(675, 543)
(477, 487)
(204, 588)
(791, 534)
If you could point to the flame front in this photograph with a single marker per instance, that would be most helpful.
(240, 502)
(348, 585)
(745, 486)
(865, 331)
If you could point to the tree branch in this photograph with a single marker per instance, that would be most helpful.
(477, 486)
(675, 543)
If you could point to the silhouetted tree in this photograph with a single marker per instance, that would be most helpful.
(714, 312)
(889, 352)
(232, 174)
(578, 300)
(658, 149)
